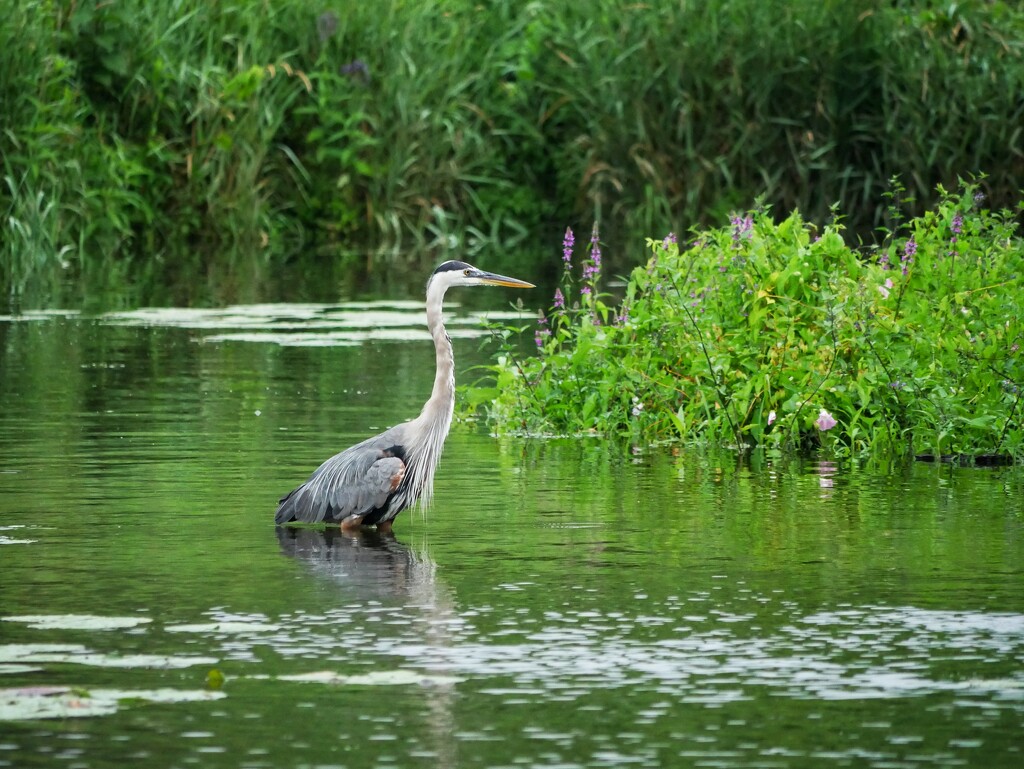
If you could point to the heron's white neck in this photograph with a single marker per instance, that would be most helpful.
(443, 395)
(436, 417)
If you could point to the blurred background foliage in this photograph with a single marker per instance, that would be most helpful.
(193, 152)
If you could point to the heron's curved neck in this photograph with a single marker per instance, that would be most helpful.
(427, 442)
(442, 398)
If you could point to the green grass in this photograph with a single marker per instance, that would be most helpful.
(198, 152)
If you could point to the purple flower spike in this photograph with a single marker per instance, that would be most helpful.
(956, 227)
(908, 255)
(326, 25)
(542, 331)
(559, 299)
(595, 248)
(357, 70)
(567, 243)
(741, 228)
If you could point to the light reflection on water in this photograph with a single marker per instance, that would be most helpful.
(710, 654)
(557, 606)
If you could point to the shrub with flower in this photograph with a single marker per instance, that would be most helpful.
(800, 337)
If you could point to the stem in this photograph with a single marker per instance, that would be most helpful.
(507, 348)
(1009, 417)
(711, 366)
(831, 364)
(1016, 401)
(888, 374)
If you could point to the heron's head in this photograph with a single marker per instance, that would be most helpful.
(455, 273)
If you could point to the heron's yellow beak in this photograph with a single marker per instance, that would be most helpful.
(491, 279)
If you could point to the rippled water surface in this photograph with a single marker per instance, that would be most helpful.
(558, 605)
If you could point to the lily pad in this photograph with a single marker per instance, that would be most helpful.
(81, 655)
(158, 661)
(376, 678)
(340, 338)
(351, 323)
(30, 704)
(228, 628)
(64, 702)
(165, 695)
(24, 652)
(77, 621)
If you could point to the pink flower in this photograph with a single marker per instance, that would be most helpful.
(884, 290)
(825, 421)
(771, 417)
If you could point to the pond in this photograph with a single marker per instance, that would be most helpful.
(558, 605)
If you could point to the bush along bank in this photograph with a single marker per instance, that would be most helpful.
(776, 334)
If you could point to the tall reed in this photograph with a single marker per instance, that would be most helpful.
(202, 150)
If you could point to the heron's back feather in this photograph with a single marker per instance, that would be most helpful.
(362, 480)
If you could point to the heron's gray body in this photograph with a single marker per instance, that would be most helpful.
(373, 481)
(367, 479)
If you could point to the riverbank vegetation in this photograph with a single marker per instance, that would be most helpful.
(207, 152)
(769, 331)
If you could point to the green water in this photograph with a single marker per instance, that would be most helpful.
(557, 606)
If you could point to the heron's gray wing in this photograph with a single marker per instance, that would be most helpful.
(353, 482)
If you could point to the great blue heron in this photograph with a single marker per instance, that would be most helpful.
(372, 482)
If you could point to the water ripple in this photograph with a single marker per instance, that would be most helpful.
(864, 653)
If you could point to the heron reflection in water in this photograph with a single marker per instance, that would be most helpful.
(369, 565)
(373, 576)
(370, 483)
